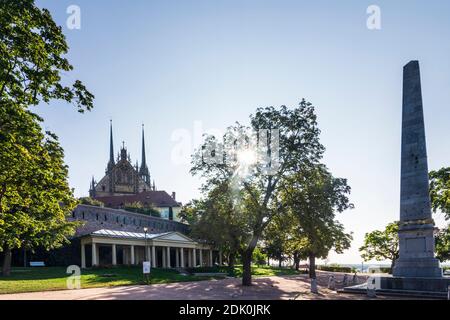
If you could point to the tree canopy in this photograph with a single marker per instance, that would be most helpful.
(35, 197)
(313, 197)
(253, 159)
(381, 244)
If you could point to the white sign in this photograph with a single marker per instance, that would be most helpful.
(146, 267)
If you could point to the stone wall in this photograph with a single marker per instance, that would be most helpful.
(97, 218)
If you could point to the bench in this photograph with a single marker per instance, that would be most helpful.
(37, 264)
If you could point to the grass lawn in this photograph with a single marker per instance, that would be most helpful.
(55, 278)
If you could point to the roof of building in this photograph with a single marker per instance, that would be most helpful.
(126, 234)
(166, 236)
(156, 198)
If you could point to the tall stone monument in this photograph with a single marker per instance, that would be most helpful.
(416, 271)
(416, 245)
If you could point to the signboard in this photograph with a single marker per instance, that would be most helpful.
(146, 267)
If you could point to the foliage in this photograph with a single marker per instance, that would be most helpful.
(90, 201)
(336, 268)
(32, 49)
(259, 258)
(276, 236)
(35, 198)
(381, 244)
(138, 207)
(253, 184)
(215, 219)
(440, 191)
(312, 197)
(443, 244)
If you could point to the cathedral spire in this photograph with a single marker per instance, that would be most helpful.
(143, 162)
(111, 147)
(143, 171)
(92, 188)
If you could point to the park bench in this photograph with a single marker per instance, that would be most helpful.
(37, 264)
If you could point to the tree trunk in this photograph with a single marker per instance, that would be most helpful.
(312, 266)
(296, 261)
(279, 262)
(231, 261)
(24, 257)
(392, 266)
(247, 267)
(6, 271)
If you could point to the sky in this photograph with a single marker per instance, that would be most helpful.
(187, 67)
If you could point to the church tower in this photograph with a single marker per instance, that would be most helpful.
(111, 162)
(144, 173)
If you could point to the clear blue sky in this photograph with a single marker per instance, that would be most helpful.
(171, 63)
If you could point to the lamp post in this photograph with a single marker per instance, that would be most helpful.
(146, 263)
(145, 236)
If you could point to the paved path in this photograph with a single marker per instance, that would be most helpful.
(264, 288)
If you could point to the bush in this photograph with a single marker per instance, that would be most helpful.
(258, 257)
(91, 202)
(336, 268)
(137, 207)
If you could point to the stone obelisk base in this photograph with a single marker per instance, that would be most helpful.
(417, 252)
(439, 284)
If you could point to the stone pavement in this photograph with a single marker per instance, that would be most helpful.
(264, 288)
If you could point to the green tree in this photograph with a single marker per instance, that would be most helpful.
(381, 244)
(254, 183)
(276, 237)
(32, 49)
(215, 218)
(313, 197)
(443, 244)
(440, 191)
(440, 201)
(35, 198)
(259, 257)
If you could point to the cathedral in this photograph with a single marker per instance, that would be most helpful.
(124, 184)
(111, 234)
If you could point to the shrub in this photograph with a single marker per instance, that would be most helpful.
(91, 202)
(336, 268)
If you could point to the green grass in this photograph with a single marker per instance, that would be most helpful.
(55, 278)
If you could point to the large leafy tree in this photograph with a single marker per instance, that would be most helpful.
(440, 191)
(313, 197)
(253, 183)
(34, 194)
(443, 244)
(32, 49)
(440, 201)
(216, 219)
(277, 237)
(381, 244)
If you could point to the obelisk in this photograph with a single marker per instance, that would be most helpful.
(416, 258)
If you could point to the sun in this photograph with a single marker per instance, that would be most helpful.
(246, 157)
